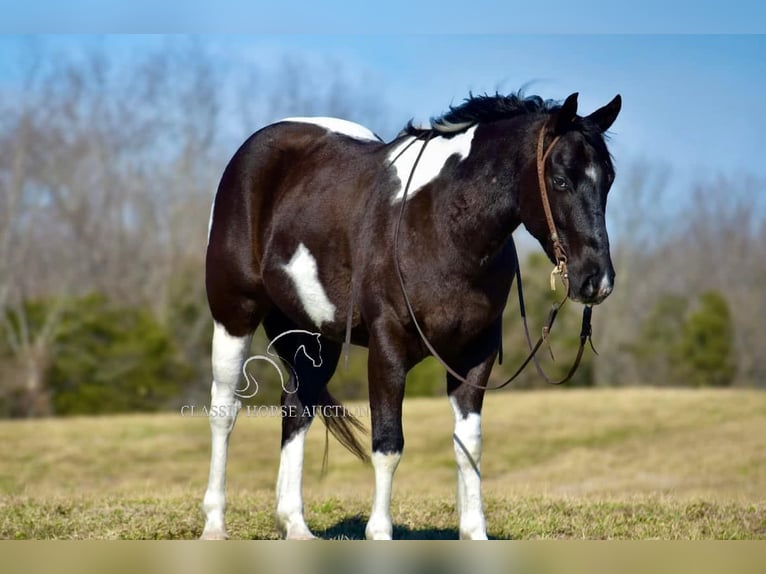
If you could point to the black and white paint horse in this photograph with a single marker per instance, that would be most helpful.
(309, 205)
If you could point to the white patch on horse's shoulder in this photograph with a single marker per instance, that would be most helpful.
(435, 155)
(337, 125)
(592, 173)
(302, 269)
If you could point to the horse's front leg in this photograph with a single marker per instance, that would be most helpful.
(466, 402)
(387, 372)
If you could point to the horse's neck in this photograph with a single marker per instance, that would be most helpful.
(481, 217)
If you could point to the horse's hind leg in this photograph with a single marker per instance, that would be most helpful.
(298, 401)
(237, 301)
(236, 316)
(228, 355)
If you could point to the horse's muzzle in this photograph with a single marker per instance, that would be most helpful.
(594, 288)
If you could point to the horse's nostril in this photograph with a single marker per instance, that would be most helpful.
(596, 286)
(605, 286)
(591, 285)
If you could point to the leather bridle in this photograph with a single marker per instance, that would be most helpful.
(558, 250)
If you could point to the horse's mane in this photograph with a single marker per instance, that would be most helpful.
(483, 108)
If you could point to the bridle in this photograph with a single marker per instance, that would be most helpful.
(558, 249)
(560, 269)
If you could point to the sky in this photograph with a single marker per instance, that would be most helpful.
(692, 76)
(690, 102)
(392, 16)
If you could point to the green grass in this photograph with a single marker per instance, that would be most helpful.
(670, 464)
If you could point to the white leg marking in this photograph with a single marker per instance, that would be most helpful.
(290, 519)
(379, 526)
(302, 269)
(436, 154)
(468, 430)
(228, 355)
(339, 126)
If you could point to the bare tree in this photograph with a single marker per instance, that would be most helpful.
(708, 240)
(108, 167)
(21, 206)
(718, 247)
(637, 226)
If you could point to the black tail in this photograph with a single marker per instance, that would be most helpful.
(343, 426)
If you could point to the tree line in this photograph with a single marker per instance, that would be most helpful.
(107, 171)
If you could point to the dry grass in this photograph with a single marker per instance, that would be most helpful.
(574, 464)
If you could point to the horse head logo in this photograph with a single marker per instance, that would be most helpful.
(311, 350)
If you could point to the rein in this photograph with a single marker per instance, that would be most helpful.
(560, 269)
(352, 286)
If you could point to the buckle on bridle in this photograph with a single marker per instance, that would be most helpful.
(561, 264)
(558, 270)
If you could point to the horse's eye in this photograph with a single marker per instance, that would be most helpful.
(559, 182)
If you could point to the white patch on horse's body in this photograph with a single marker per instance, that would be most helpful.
(435, 155)
(228, 356)
(302, 269)
(468, 430)
(379, 525)
(289, 483)
(337, 125)
(591, 172)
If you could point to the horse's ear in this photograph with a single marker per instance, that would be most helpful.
(567, 114)
(604, 117)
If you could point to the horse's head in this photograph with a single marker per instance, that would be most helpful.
(578, 174)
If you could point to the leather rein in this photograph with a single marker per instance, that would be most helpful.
(560, 270)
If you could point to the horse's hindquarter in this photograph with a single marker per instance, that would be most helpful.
(318, 196)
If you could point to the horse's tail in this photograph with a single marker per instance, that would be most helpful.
(343, 425)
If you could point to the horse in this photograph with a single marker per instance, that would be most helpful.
(301, 236)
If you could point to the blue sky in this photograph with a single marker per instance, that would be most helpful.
(690, 102)
(392, 16)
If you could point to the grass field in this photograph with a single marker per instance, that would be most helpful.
(670, 464)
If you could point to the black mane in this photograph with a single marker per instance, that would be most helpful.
(484, 108)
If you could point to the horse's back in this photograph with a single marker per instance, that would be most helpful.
(337, 126)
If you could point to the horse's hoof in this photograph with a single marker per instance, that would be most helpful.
(301, 535)
(214, 535)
